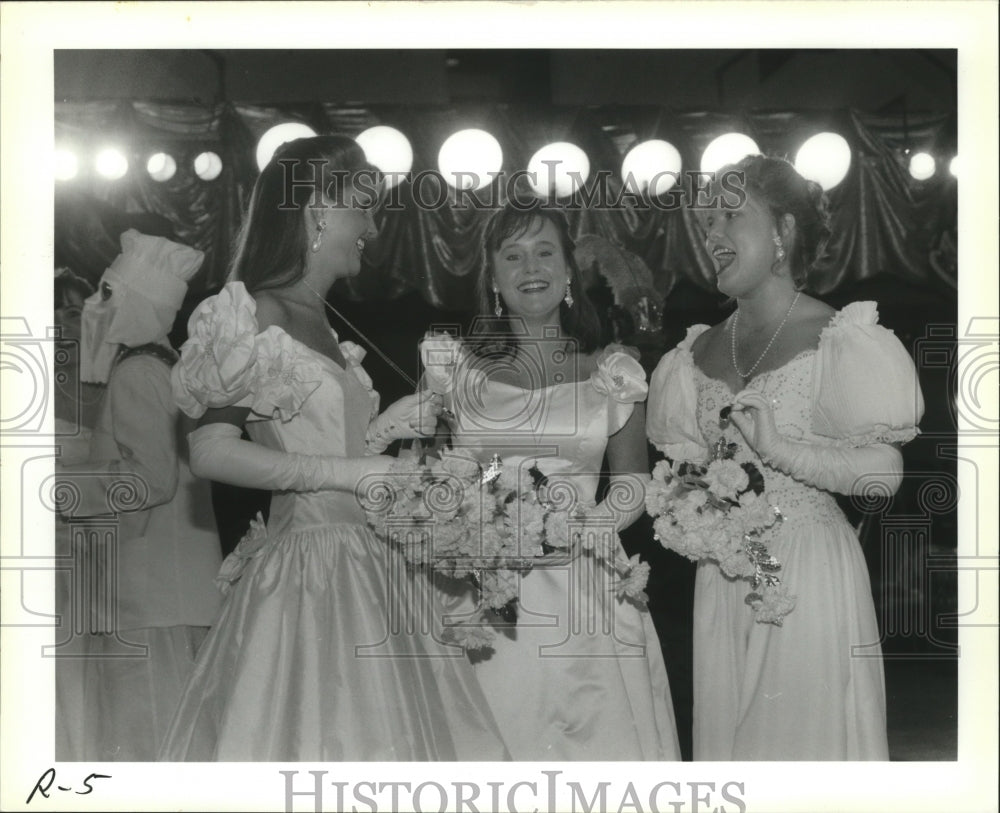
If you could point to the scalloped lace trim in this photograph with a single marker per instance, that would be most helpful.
(881, 433)
(856, 313)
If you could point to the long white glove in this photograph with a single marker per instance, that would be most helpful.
(411, 416)
(219, 453)
(845, 470)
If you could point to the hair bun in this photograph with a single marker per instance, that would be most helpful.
(819, 199)
(820, 231)
(786, 191)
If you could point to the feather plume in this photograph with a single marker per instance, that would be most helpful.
(628, 277)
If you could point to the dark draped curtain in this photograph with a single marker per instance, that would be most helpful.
(884, 222)
(895, 240)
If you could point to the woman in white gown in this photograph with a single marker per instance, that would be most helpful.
(305, 662)
(581, 675)
(820, 400)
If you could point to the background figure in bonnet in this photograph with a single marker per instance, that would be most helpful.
(162, 562)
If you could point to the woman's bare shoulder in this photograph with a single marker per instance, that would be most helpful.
(812, 319)
(815, 309)
(707, 339)
(586, 363)
(271, 311)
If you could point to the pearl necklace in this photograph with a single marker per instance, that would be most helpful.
(732, 334)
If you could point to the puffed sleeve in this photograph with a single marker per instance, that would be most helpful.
(672, 411)
(620, 377)
(218, 361)
(865, 386)
(226, 362)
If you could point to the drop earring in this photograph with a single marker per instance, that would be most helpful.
(780, 252)
(497, 307)
(318, 241)
(568, 299)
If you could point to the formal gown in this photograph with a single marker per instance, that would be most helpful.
(812, 688)
(325, 649)
(581, 676)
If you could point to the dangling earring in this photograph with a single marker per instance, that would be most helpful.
(780, 253)
(568, 299)
(315, 246)
(497, 307)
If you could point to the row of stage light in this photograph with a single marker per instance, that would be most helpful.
(111, 163)
(472, 159)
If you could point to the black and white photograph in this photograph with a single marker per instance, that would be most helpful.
(499, 406)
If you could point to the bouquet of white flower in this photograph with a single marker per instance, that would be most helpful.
(479, 524)
(718, 511)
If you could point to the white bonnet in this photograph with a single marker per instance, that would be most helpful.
(156, 268)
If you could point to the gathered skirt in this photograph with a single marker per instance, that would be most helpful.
(581, 676)
(329, 649)
(811, 689)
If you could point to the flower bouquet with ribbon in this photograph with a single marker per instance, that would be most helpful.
(718, 511)
(481, 525)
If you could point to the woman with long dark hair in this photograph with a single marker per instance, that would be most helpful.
(580, 675)
(324, 650)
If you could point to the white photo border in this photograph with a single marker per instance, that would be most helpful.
(30, 34)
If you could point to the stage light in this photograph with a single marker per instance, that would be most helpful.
(953, 166)
(389, 150)
(825, 159)
(922, 166)
(558, 169)
(652, 165)
(161, 167)
(111, 163)
(727, 149)
(207, 166)
(278, 135)
(467, 158)
(64, 165)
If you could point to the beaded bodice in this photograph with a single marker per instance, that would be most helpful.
(789, 388)
(858, 387)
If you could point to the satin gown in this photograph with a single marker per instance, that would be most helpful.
(325, 650)
(581, 676)
(813, 688)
